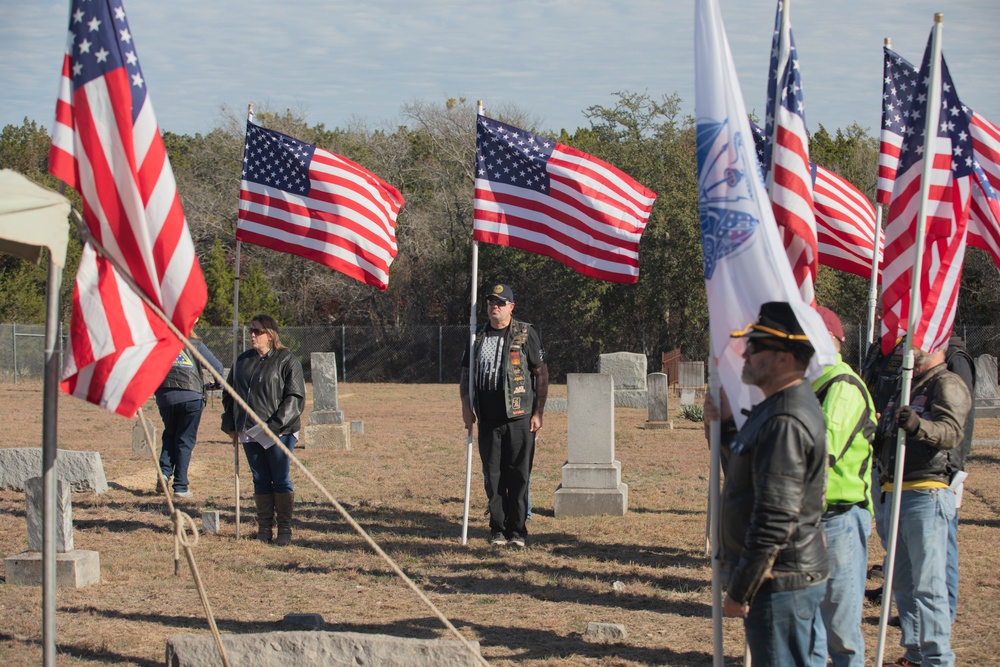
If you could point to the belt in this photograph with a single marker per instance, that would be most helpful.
(840, 508)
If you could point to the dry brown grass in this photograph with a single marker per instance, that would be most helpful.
(403, 480)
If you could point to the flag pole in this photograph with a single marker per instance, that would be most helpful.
(714, 475)
(474, 271)
(876, 260)
(930, 137)
(873, 285)
(236, 354)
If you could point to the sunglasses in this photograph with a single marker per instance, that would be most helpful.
(755, 346)
(497, 303)
(258, 332)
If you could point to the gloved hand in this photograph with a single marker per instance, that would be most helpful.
(908, 420)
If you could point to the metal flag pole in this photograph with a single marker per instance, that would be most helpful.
(474, 271)
(714, 475)
(930, 137)
(876, 261)
(873, 285)
(236, 353)
(50, 398)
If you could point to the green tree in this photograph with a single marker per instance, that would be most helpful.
(219, 273)
(256, 296)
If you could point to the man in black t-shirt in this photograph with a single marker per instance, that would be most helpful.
(509, 391)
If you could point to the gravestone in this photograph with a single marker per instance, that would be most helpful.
(140, 450)
(987, 398)
(210, 521)
(317, 648)
(658, 402)
(75, 568)
(35, 502)
(326, 428)
(628, 370)
(83, 471)
(690, 380)
(591, 477)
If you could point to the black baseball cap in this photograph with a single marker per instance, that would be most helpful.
(501, 293)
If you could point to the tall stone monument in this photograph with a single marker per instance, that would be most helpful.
(326, 428)
(986, 402)
(591, 477)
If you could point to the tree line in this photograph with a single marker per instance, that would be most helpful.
(430, 159)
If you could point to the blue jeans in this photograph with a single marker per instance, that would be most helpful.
(270, 467)
(952, 573)
(919, 582)
(779, 627)
(838, 620)
(180, 432)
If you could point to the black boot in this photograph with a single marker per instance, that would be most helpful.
(265, 516)
(283, 503)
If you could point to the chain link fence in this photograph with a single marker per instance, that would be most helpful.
(413, 354)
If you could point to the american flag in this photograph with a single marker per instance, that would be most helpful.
(845, 219)
(899, 89)
(947, 211)
(107, 145)
(898, 93)
(845, 224)
(304, 200)
(786, 158)
(538, 195)
(984, 216)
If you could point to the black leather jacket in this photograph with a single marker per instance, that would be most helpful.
(942, 401)
(274, 388)
(772, 500)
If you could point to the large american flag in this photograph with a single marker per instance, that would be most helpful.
(845, 219)
(107, 145)
(898, 92)
(304, 200)
(786, 158)
(538, 195)
(947, 211)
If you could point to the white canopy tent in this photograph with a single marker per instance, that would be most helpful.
(31, 218)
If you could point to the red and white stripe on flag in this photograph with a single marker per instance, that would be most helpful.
(984, 215)
(324, 208)
(789, 174)
(939, 268)
(107, 145)
(845, 224)
(573, 207)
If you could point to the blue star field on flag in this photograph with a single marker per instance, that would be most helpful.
(102, 42)
(512, 156)
(277, 160)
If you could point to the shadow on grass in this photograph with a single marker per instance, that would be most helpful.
(85, 653)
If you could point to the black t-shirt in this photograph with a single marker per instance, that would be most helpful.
(490, 371)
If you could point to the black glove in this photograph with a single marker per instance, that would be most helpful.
(908, 420)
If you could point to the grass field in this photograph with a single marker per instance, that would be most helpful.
(403, 481)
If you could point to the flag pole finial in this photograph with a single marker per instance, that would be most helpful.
(939, 17)
(888, 42)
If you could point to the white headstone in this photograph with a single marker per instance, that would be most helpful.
(658, 404)
(591, 417)
(34, 496)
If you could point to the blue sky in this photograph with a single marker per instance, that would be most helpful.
(336, 61)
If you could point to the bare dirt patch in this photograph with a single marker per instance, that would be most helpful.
(403, 480)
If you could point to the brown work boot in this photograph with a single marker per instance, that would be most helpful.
(283, 504)
(265, 516)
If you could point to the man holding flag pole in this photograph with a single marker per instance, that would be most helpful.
(925, 246)
(744, 260)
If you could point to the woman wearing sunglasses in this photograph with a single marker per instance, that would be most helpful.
(269, 378)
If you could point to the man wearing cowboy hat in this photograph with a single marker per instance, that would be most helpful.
(772, 547)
